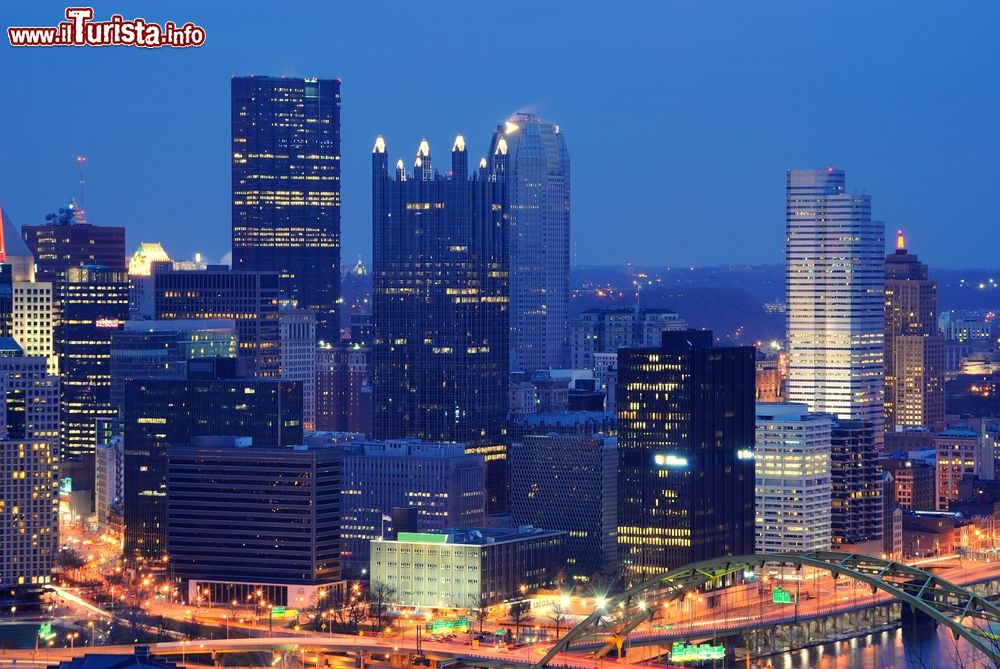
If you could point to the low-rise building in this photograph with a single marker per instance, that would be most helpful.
(466, 568)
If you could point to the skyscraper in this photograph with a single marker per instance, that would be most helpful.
(248, 298)
(93, 304)
(856, 480)
(914, 348)
(685, 453)
(30, 320)
(29, 396)
(286, 188)
(66, 240)
(835, 278)
(440, 361)
(211, 401)
(538, 211)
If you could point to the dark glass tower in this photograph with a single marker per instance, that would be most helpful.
(93, 305)
(685, 453)
(211, 401)
(67, 240)
(440, 360)
(286, 188)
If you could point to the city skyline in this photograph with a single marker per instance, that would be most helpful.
(177, 172)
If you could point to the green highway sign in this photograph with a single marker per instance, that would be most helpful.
(703, 652)
(45, 631)
(781, 596)
(278, 611)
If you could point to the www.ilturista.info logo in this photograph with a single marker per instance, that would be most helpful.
(81, 30)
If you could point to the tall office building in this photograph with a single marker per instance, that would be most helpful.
(297, 357)
(603, 331)
(914, 348)
(685, 453)
(793, 470)
(212, 401)
(249, 298)
(29, 396)
(93, 304)
(856, 479)
(29, 509)
(445, 485)
(538, 213)
(30, 317)
(961, 453)
(440, 361)
(67, 241)
(286, 189)
(161, 349)
(343, 388)
(835, 282)
(244, 518)
(570, 483)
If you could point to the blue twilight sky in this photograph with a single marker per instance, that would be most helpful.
(681, 117)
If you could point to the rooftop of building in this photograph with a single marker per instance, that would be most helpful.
(478, 536)
(565, 418)
(141, 658)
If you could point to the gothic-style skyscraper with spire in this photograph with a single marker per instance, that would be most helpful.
(538, 209)
(440, 359)
(914, 350)
(286, 189)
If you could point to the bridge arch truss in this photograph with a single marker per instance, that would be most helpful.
(943, 601)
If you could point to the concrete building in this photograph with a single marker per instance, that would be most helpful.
(243, 518)
(30, 396)
(297, 357)
(109, 484)
(570, 483)
(793, 479)
(960, 453)
(598, 331)
(445, 485)
(466, 568)
(343, 388)
(29, 510)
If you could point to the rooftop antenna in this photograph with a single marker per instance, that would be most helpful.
(81, 162)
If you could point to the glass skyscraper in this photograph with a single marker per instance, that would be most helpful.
(440, 360)
(685, 453)
(286, 188)
(538, 211)
(835, 281)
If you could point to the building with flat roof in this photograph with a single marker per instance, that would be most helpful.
(570, 483)
(466, 568)
(29, 508)
(442, 482)
(244, 517)
(793, 479)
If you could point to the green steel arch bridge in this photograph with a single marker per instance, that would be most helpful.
(965, 613)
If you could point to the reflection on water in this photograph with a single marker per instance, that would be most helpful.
(886, 650)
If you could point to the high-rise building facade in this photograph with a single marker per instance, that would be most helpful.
(914, 348)
(604, 331)
(856, 478)
(685, 453)
(161, 349)
(343, 388)
(29, 396)
(211, 401)
(297, 357)
(249, 298)
(440, 361)
(570, 483)
(835, 284)
(29, 510)
(66, 242)
(792, 462)
(244, 518)
(93, 304)
(960, 453)
(286, 189)
(442, 482)
(26, 308)
(538, 209)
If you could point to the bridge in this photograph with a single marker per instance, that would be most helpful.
(966, 613)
